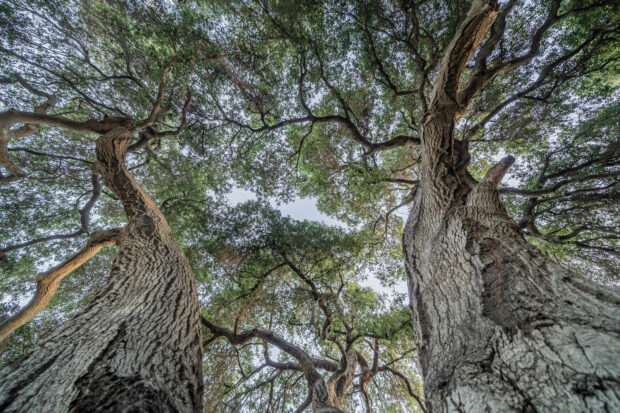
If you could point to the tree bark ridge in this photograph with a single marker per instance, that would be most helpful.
(137, 346)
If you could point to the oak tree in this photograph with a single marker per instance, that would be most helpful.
(376, 98)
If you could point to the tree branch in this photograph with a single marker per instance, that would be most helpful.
(157, 104)
(48, 282)
(469, 35)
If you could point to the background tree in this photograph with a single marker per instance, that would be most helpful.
(297, 328)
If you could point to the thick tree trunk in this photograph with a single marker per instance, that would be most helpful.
(500, 326)
(137, 347)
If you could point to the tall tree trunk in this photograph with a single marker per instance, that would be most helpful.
(137, 346)
(500, 326)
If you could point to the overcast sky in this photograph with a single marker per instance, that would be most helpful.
(305, 208)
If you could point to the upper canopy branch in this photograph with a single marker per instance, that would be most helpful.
(469, 35)
(543, 75)
(84, 221)
(483, 75)
(158, 100)
(552, 188)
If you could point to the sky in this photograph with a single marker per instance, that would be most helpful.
(299, 209)
(306, 209)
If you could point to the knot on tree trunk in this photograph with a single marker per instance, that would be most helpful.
(484, 198)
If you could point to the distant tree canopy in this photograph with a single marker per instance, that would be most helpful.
(322, 99)
(288, 305)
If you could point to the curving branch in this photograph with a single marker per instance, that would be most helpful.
(7, 134)
(304, 405)
(407, 384)
(184, 111)
(84, 221)
(48, 282)
(305, 361)
(552, 188)
(409, 198)
(322, 392)
(261, 280)
(49, 155)
(158, 100)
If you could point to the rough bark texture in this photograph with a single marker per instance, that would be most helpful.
(137, 347)
(500, 326)
(327, 395)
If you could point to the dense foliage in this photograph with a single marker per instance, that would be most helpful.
(291, 99)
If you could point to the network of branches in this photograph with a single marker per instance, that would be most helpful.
(291, 99)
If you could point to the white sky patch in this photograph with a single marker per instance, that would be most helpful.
(299, 209)
(306, 209)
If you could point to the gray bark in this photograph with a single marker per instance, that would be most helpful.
(500, 326)
(137, 346)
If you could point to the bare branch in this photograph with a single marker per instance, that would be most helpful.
(50, 155)
(183, 123)
(48, 282)
(84, 221)
(551, 189)
(408, 387)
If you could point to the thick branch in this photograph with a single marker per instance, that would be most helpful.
(461, 48)
(48, 282)
(13, 116)
(305, 361)
(495, 175)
